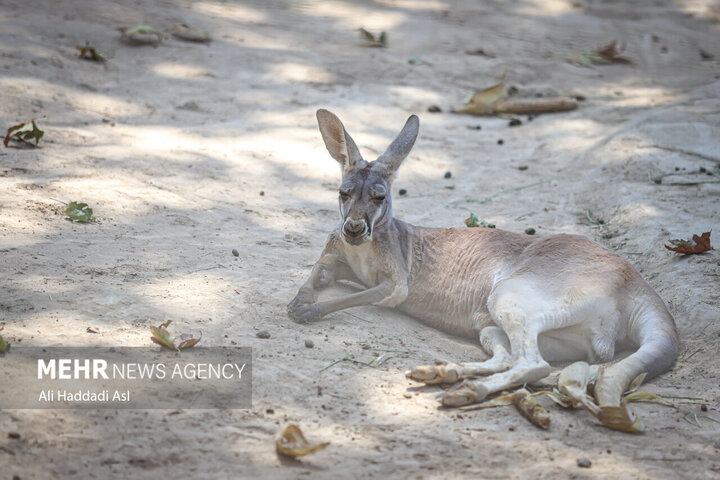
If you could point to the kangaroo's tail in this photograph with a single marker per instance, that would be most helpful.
(653, 329)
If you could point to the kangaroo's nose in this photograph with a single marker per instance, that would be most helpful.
(355, 228)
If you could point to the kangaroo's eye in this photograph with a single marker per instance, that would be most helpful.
(379, 198)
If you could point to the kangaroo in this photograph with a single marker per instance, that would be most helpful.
(529, 300)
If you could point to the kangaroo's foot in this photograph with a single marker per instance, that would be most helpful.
(444, 372)
(465, 393)
(473, 391)
(303, 308)
(441, 372)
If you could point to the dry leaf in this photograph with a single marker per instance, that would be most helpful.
(533, 411)
(164, 338)
(697, 245)
(90, 53)
(291, 442)
(92, 330)
(483, 101)
(501, 401)
(24, 132)
(620, 418)
(573, 382)
(636, 383)
(611, 52)
(606, 54)
(646, 396)
(185, 340)
(370, 40)
(492, 100)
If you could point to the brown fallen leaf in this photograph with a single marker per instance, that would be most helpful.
(185, 340)
(89, 52)
(372, 41)
(533, 411)
(611, 52)
(92, 330)
(697, 245)
(24, 132)
(500, 401)
(164, 338)
(483, 101)
(620, 418)
(492, 101)
(606, 54)
(290, 441)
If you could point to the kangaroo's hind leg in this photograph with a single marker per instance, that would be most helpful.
(494, 342)
(522, 327)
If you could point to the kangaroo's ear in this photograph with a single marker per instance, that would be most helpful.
(401, 146)
(337, 141)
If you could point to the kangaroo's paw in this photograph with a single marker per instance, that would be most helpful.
(302, 312)
(438, 373)
(464, 393)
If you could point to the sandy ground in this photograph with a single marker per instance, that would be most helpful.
(187, 151)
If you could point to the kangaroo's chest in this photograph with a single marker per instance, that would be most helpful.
(363, 261)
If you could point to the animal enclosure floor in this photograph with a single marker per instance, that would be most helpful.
(187, 151)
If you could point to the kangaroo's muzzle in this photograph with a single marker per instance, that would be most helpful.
(355, 231)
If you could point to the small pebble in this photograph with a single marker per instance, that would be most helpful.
(500, 141)
(474, 127)
(269, 411)
(434, 109)
(584, 462)
(530, 231)
(263, 334)
(309, 344)
(579, 98)
(522, 168)
(14, 435)
(448, 174)
(407, 395)
(515, 122)
(530, 118)
(235, 252)
(702, 170)
(402, 191)
(262, 193)
(703, 408)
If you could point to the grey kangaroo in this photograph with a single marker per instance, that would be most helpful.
(529, 300)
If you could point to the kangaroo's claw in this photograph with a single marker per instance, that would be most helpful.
(464, 394)
(302, 312)
(432, 374)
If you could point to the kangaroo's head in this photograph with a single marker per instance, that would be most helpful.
(364, 193)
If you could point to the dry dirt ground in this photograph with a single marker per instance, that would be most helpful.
(188, 151)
